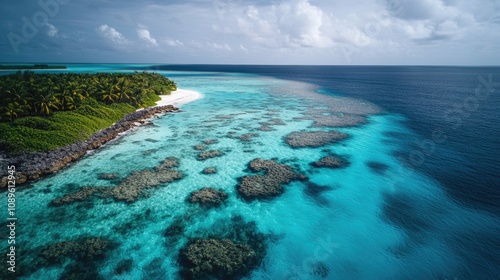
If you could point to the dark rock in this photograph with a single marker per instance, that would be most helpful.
(216, 258)
(208, 197)
(209, 154)
(331, 162)
(39, 164)
(313, 139)
(269, 184)
(209, 170)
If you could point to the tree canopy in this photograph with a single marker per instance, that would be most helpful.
(29, 94)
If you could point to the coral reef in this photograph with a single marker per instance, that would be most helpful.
(80, 195)
(86, 249)
(209, 154)
(108, 176)
(331, 161)
(268, 184)
(200, 147)
(338, 121)
(131, 188)
(313, 139)
(123, 266)
(210, 141)
(209, 170)
(216, 258)
(208, 197)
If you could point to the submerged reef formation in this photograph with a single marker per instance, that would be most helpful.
(377, 167)
(82, 249)
(79, 257)
(230, 249)
(216, 258)
(108, 176)
(200, 147)
(77, 196)
(209, 154)
(267, 126)
(32, 166)
(209, 170)
(338, 121)
(313, 139)
(210, 141)
(268, 184)
(331, 161)
(131, 188)
(208, 197)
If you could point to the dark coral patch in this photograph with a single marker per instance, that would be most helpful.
(131, 188)
(209, 170)
(377, 167)
(108, 176)
(338, 121)
(268, 184)
(331, 161)
(208, 197)
(209, 154)
(216, 259)
(313, 139)
(123, 266)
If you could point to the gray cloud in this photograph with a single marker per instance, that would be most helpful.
(243, 31)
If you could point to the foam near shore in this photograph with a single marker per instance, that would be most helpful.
(179, 97)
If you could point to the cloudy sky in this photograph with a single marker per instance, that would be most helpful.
(443, 32)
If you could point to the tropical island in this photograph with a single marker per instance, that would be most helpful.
(49, 120)
(33, 67)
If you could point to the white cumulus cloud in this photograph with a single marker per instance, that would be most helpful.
(216, 46)
(173, 43)
(51, 30)
(144, 35)
(112, 35)
(295, 23)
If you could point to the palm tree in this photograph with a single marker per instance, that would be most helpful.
(11, 111)
(65, 97)
(122, 90)
(45, 102)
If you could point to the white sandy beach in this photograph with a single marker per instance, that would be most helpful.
(179, 97)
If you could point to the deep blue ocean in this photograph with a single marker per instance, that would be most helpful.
(418, 199)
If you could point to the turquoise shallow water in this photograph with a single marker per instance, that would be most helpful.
(354, 223)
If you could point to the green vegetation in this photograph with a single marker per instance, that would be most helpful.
(31, 67)
(40, 112)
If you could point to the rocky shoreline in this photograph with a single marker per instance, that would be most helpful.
(32, 166)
